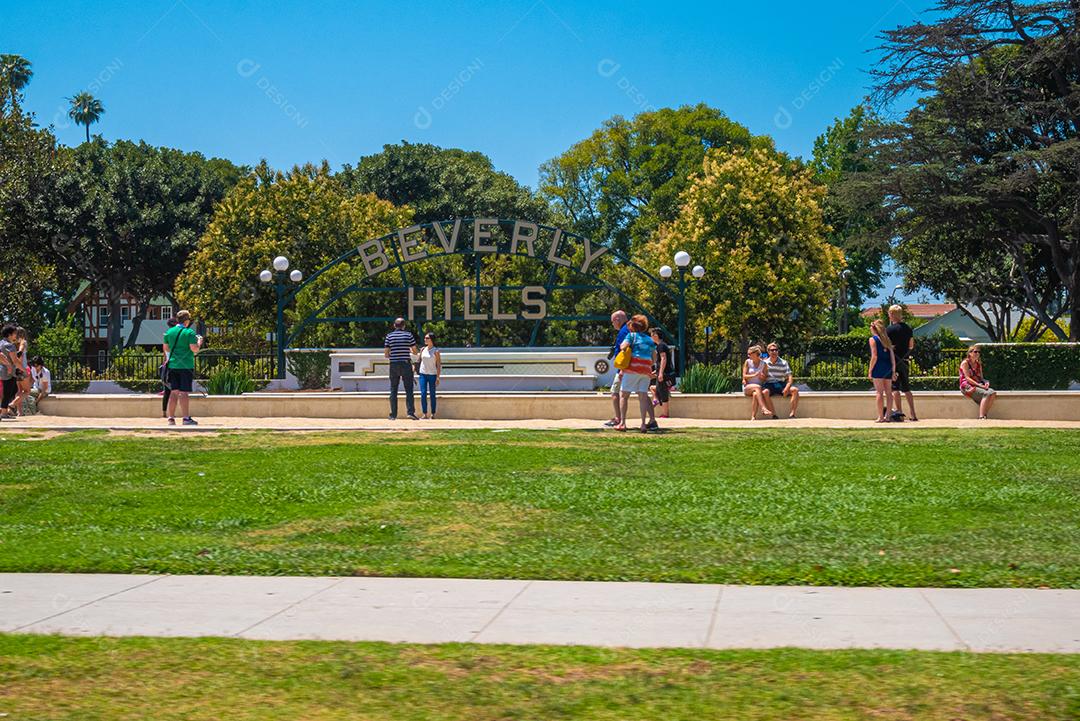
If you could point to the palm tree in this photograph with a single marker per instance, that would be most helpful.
(15, 74)
(86, 110)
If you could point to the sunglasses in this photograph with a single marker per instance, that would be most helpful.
(974, 352)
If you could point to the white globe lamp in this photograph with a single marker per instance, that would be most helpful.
(665, 271)
(682, 259)
(266, 276)
(281, 264)
(698, 271)
(296, 276)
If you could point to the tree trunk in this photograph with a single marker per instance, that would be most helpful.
(1074, 317)
(88, 132)
(136, 323)
(115, 325)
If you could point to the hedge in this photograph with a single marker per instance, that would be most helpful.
(921, 383)
(1031, 366)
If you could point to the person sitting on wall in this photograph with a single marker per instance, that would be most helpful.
(753, 373)
(778, 381)
(42, 379)
(974, 385)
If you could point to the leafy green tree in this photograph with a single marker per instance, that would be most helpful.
(127, 216)
(86, 110)
(15, 74)
(442, 183)
(61, 338)
(29, 165)
(990, 155)
(306, 215)
(839, 152)
(758, 228)
(619, 185)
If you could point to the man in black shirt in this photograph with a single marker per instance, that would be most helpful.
(903, 342)
(399, 347)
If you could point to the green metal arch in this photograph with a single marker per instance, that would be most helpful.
(399, 265)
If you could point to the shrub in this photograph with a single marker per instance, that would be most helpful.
(1030, 366)
(700, 378)
(62, 339)
(945, 338)
(136, 370)
(839, 368)
(249, 342)
(842, 383)
(229, 379)
(311, 368)
(260, 368)
(71, 377)
(1047, 336)
(839, 345)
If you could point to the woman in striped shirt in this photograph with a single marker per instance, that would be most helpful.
(637, 377)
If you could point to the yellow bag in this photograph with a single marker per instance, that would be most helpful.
(622, 360)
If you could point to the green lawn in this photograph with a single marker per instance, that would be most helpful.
(85, 679)
(976, 507)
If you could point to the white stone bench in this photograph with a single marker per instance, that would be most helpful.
(476, 369)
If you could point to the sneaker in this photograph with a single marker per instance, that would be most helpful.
(412, 417)
(391, 418)
(612, 423)
(653, 426)
(171, 421)
(190, 422)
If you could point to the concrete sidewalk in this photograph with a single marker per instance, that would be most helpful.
(424, 610)
(217, 423)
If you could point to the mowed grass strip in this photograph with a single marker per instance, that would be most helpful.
(50, 678)
(974, 507)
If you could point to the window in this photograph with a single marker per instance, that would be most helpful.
(103, 316)
(166, 312)
(125, 313)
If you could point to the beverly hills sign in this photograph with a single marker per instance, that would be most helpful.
(478, 236)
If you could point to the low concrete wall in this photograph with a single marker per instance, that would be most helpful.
(1015, 405)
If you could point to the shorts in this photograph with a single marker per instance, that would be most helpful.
(634, 383)
(774, 387)
(979, 394)
(615, 383)
(181, 379)
(902, 382)
(663, 391)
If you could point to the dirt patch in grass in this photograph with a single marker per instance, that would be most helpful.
(430, 528)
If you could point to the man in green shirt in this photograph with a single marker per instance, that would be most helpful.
(180, 346)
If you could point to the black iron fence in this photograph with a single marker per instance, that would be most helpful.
(842, 371)
(139, 371)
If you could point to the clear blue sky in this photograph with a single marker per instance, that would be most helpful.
(519, 80)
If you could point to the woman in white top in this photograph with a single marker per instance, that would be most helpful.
(430, 370)
(753, 374)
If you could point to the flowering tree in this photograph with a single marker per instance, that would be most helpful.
(754, 220)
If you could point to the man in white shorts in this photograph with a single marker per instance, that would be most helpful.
(621, 324)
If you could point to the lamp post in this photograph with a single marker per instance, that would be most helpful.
(843, 324)
(892, 296)
(682, 262)
(280, 265)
